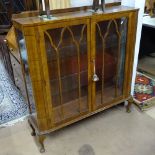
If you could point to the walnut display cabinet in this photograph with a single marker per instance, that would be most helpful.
(75, 64)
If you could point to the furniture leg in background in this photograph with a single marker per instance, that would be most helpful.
(5, 57)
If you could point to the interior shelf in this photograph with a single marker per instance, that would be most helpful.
(70, 109)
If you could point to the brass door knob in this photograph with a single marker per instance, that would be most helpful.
(95, 78)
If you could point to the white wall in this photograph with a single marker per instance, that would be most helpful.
(138, 4)
(75, 3)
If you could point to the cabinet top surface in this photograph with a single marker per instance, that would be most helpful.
(59, 17)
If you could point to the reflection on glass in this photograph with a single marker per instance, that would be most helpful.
(23, 52)
(68, 70)
(110, 59)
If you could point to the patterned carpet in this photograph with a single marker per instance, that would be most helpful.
(12, 104)
(144, 92)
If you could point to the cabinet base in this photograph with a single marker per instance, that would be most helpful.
(41, 135)
(40, 138)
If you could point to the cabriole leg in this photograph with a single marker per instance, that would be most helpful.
(128, 106)
(33, 133)
(41, 139)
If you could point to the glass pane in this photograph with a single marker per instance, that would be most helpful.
(24, 59)
(110, 59)
(68, 70)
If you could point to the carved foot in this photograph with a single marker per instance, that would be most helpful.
(33, 133)
(128, 106)
(41, 139)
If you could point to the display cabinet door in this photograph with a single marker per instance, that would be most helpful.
(66, 49)
(108, 60)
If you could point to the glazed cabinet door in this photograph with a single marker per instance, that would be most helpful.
(108, 60)
(66, 69)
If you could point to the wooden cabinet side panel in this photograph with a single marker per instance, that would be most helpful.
(131, 39)
(35, 69)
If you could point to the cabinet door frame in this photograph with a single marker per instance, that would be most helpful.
(41, 30)
(130, 46)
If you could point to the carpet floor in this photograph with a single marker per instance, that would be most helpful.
(144, 91)
(12, 104)
(112, 132)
